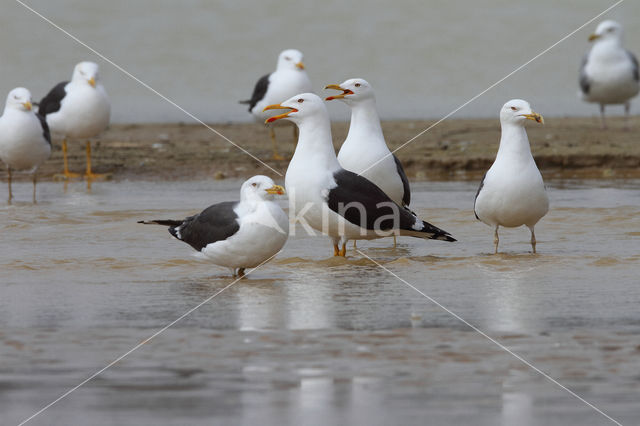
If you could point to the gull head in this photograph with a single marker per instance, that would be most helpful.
(86, 71)
(299, 107)
(20, 99)
(353, 90)
(517, 111)
(607, 30)
(260, 188)
(290, 59)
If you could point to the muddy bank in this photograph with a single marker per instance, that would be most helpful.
(454, 149)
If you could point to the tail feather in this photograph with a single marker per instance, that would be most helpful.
(167, 222)
(247, 102)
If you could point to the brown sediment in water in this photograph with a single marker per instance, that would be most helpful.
(452, 150)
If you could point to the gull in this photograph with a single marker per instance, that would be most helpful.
(609, 73)
(512, 192)
(288, 79)
(326, 197)
(25, 142)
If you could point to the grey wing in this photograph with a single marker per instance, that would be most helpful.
(406, 196)
(215, 223)
(636, 69)
(45, 127)
(258, 92)
(585, 83)
(478, 193)
(51, 102)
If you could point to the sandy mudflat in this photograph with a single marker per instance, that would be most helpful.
(454, 149)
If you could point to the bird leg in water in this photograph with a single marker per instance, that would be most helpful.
(343, 251)
(336, 251)
(603, 123)
(627, 124)
(241, 272)
(35, 180)
(533, 240)
(89, 174)
(66, 173)
(276, 156)
(496, 239)
(9, 182)
(355, 246)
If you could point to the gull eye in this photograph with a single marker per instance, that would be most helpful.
(16, 97)
(357, 84)
(611, 29)
(300, 100)
(254, 184)
(287, 58)
(514, 108)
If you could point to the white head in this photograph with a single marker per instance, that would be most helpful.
(517, 111)
(607, 30)
(86, 71)
(300, 106)
(353, 91)
(259, 188)
(290, 59)
(20, 99)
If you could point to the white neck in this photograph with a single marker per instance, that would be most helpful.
(315, 144)
(514, 142)
(365, 123)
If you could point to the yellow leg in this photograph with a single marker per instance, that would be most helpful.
(89, 174)
(343, 251)
(9, 181)
(336, 251)
(276, 156)
(66, 173)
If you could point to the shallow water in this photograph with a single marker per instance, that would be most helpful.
(311, 338)
(423, 58)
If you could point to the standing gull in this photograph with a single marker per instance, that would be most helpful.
(335, 201)
(25, 142)
(288, 79)
(77, 109)
(512, 192)
(237, 235)
(609, 73)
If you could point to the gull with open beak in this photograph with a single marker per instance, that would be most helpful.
(609, 73)
(79, 109)
(326, 197)
(512, 192)
(288, 79)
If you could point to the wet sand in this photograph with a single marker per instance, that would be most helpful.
(453, 150)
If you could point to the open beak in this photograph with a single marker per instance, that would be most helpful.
(279, 116)
(92, 82)
(534, 116)
(344, 93)
(300, 65)
(27, 105)
(275, 189)
(593, 37)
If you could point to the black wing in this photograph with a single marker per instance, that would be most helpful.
(258, 92)
(585, 84)
(45, 127)
(636, 69)
(478, 193)
(354, 191)
(406, 197)
(51, 102)
(215, 223)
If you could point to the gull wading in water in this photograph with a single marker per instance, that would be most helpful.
(25, 142)
(77, 109)
(609, 73)
(365, 151)
(288, 79)
(512, 192)
(335, 201)
(237, 235)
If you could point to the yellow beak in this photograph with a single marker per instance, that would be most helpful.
(344, 93)
(534, 116)
(275, 189)
(300, 65)
(594, 37)
(27, 105)
(92, 82)
(278, 117)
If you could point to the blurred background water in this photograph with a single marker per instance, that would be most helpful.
(423, 58)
